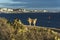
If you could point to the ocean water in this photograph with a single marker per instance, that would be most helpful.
(43, 19)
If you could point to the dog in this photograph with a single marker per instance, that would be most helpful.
(32, 21)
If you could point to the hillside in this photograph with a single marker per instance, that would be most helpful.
(18, 31)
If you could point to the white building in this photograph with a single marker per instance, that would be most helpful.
(3, 9)
(45, 11)
(24, 10)
(10, 10)
(35, 10)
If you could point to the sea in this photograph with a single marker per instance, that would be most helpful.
(43, 19)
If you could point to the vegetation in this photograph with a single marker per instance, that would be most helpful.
(18, 31)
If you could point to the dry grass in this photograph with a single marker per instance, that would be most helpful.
(21, 32)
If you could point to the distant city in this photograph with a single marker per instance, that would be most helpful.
(21, 10)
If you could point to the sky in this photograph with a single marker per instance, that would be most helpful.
(32, 4)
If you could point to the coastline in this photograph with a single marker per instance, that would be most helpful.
(21, 10)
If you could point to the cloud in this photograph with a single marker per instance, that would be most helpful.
(13, 2)
(12, 6)
(1, 5)
(30, 3)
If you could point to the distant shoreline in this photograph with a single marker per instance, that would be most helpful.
(26, 12)
(21, 10)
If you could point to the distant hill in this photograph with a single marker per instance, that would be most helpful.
(16, 31)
